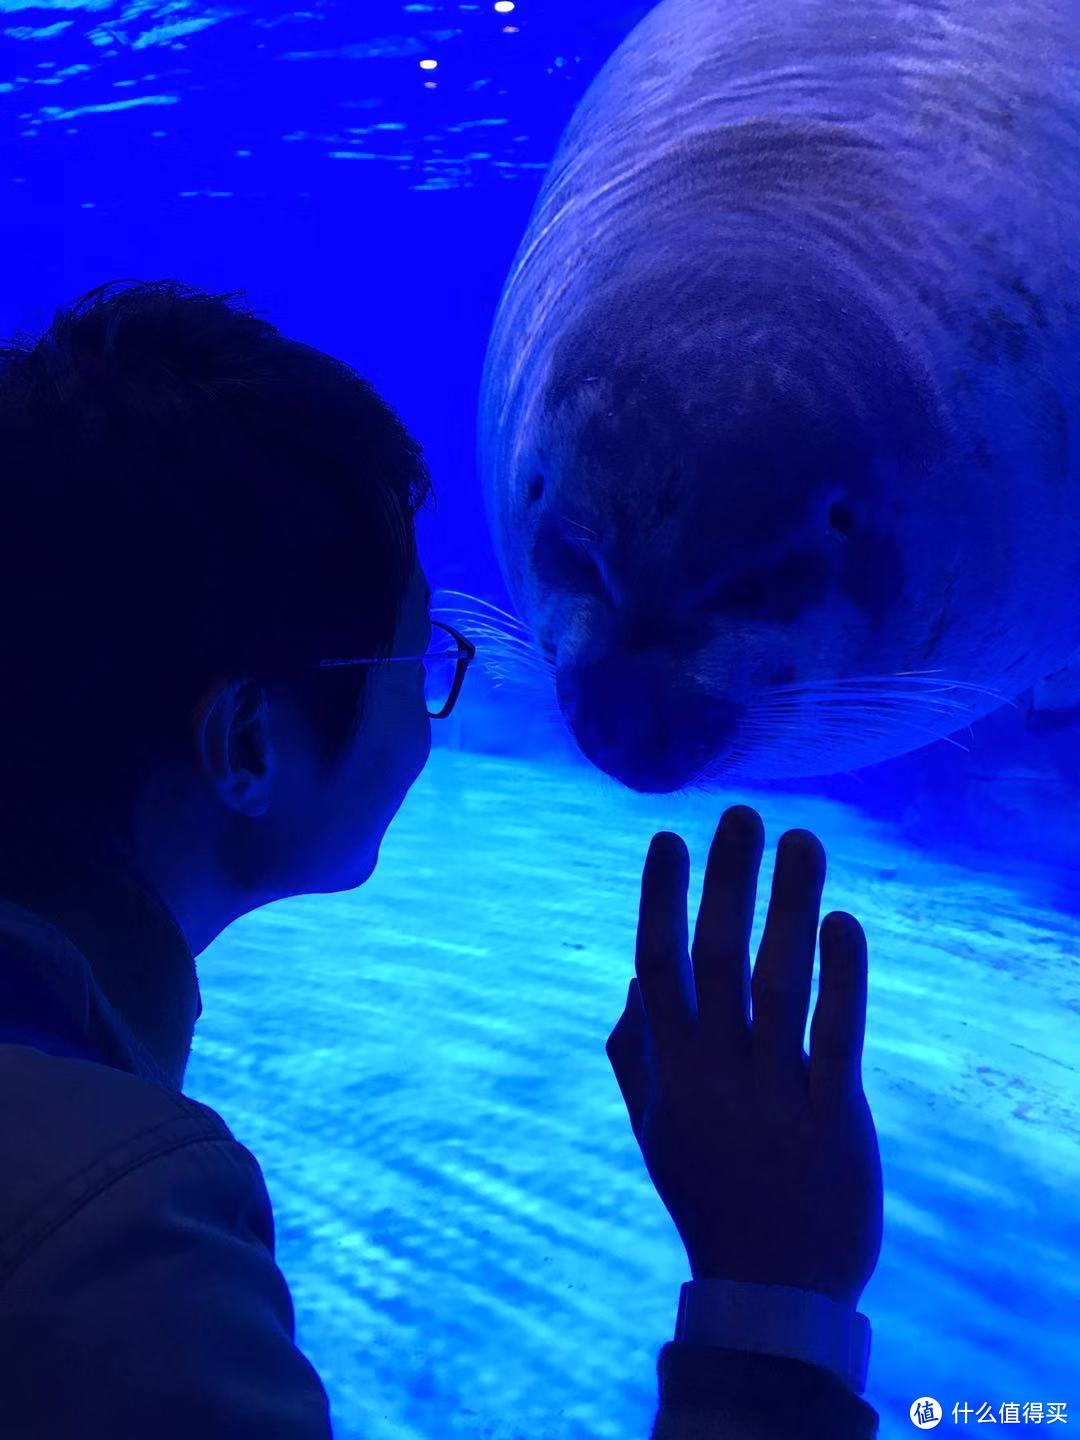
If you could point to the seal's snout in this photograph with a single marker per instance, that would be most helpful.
(647, 729)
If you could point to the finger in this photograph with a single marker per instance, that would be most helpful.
(725, 919)
(780, 984)
(839, 1023)
(661, 960)
(628, 1050)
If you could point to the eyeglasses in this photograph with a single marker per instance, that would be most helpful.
(444, 667)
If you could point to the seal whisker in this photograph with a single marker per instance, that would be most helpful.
(500, 644)
(475, 619)
(509, 658)
(492, 632)
(504, 616)
(508, 651)
(521, 677)
(837, 727)
(577, 525)
(886, 680)
(864, 710)
(901, 679)
(496, 654)
(866, 707)
(844, 713)
(853, 697)
(869, 707)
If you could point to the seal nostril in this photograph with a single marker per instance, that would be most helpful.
(536, 489)
(841, 519)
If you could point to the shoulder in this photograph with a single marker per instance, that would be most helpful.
(137, 1260)
(70, 1129)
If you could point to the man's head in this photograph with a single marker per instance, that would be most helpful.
(193, 510)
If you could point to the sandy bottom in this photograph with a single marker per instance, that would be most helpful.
(472, 1243)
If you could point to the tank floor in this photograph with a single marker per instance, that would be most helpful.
(472, 1243)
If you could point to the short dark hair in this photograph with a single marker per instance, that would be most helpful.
(185, 494)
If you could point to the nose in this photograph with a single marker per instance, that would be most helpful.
(635, 722)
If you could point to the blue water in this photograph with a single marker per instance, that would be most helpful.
(472, 1244)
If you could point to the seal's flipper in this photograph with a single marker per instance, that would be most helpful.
(1055, 704)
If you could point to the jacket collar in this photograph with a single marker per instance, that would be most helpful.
(143, 991)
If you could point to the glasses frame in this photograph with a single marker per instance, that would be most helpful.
(465, 653)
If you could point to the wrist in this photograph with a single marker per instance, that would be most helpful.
(776, 1320)
(785, 1279)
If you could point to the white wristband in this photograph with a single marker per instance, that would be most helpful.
(776, 1320)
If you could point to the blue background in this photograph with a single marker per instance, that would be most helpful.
(471, 1241)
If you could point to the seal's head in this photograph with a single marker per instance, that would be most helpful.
(779, 413)
(731, 536)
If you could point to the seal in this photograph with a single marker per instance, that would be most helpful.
(778, 417)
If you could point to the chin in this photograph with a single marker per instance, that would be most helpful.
(362, 869)
(350, 874)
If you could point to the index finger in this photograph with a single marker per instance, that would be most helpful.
(662, 961)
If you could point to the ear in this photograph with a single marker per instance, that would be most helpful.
(233, 745)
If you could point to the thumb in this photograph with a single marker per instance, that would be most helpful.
(629, 1050)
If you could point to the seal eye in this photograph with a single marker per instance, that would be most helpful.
(536, 489)
(565, 564)
(841, 519)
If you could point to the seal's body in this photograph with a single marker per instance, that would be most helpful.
(780, 415)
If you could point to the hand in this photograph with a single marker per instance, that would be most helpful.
(766, 1158)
